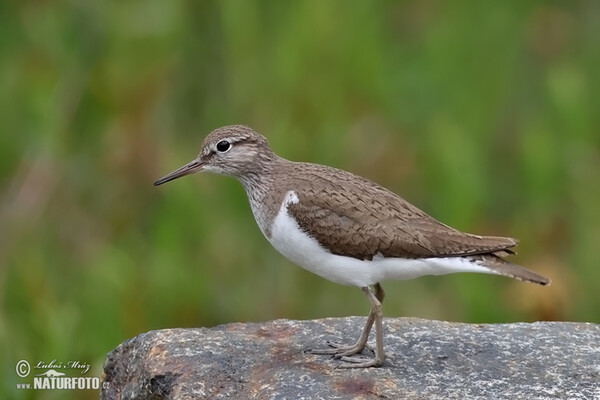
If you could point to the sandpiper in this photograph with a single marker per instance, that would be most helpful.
(346, 228)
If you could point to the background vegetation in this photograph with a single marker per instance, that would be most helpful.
(484, 114)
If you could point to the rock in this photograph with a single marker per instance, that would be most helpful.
(426, 360)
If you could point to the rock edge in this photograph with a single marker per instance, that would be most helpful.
(426, 360)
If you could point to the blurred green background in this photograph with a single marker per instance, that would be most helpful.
(484, 114)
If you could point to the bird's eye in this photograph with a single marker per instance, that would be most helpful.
(223, 146)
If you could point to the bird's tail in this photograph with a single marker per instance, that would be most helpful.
(498, 265)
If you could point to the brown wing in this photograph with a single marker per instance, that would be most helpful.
(347, 222)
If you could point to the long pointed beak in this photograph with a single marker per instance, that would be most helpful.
(189, 168)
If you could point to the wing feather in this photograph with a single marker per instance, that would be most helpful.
(342, 221)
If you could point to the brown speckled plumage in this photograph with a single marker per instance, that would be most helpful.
(354, 217)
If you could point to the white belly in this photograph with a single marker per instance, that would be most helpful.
(300, 248)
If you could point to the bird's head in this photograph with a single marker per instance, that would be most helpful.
(234, 150)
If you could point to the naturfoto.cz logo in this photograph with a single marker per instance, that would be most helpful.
(52, 378)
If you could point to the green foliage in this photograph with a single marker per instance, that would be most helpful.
(481, 113)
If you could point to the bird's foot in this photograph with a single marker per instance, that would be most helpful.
(361, 362)
(345, 353)
(338, 350)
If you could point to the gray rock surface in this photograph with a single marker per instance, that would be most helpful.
(426, 360)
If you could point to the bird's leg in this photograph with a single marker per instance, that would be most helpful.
(375, 299)
(342, 351)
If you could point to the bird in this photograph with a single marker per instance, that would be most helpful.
(346, 228)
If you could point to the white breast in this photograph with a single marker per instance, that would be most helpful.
(300, 248)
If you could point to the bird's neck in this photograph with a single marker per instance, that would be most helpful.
(260, 177)
(259, 186)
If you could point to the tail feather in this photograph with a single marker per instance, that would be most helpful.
(500, 266)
